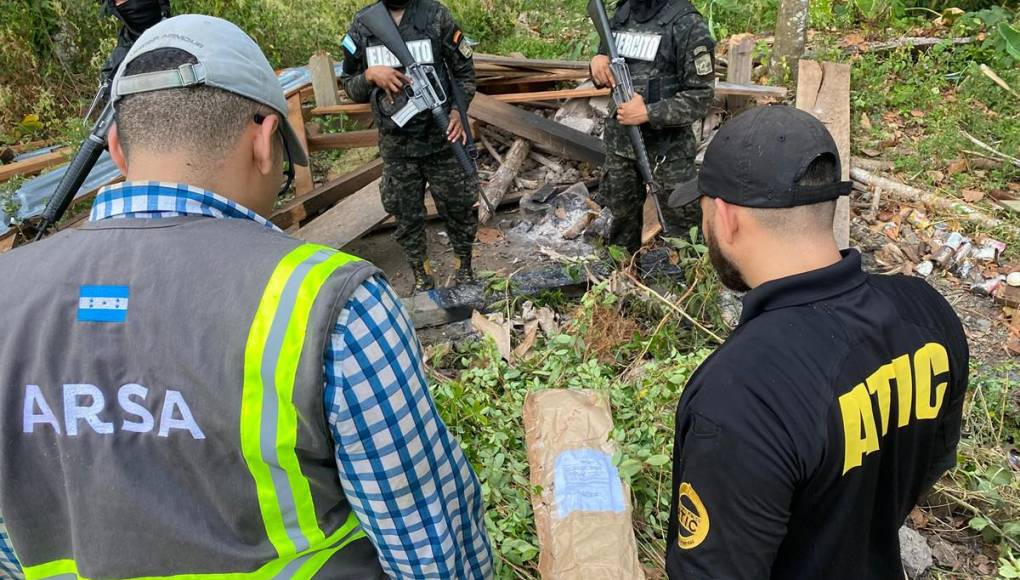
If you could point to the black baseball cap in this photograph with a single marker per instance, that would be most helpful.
(758, 157)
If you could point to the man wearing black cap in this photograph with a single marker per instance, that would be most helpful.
(806, 439)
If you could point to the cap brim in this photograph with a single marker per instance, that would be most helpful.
(298, 154)
(685, 194)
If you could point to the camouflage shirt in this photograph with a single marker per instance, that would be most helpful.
(671, 59)
(431, 34)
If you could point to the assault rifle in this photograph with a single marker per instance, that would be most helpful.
(84, 160)
(623, 92)
(425, 93)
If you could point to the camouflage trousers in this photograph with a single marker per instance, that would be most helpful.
(623, 191)
(455, 194)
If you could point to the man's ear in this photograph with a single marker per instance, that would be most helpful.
(262, 148)
(727, 221)
(116, 150)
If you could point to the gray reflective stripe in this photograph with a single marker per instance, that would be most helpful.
(290, 569)
(270, 402)
(63, 577)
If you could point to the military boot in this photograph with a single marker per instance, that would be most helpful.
(423, 281)
(465, 274)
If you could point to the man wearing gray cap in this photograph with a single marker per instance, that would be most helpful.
(185, 390)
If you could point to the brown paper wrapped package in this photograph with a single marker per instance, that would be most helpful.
(583, 545)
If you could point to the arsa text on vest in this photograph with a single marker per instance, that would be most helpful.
(84, 409)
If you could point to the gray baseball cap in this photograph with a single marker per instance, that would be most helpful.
(228, 59)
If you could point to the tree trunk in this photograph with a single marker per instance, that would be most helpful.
(791, 36)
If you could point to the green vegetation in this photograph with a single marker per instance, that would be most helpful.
(910, 107)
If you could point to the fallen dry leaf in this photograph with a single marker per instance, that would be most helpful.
(917, 113)
(489, 235)
(530, 336)
(1001, 195)
(499, 332)
(854, 39)
(1013, 186)
(918, 518)
(871, 152)
(957, 166)
(865, 121)
(937, 176)
(973, 195)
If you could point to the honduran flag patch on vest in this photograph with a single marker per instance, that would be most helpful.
(103, 304)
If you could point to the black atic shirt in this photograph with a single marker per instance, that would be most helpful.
(805, 440)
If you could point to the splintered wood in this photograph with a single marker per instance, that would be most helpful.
(582, 507)
(500, 183)
(823, 89)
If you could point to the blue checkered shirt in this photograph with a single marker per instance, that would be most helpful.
(405, 476)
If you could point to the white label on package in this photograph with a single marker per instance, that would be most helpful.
(585, 480)
(638, 45)
(421, 50)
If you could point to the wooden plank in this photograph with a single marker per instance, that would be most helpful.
(303, 182)
(726, 89)
(347, 140)
(721, 89)
(304, 207)
(529, 63)
(347, 220)
(823, 89)
(351, 108)
(7, 240)
(323, 79)
(34, 165)
(560, 139)
(740, 68)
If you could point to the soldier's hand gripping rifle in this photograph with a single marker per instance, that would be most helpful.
(623, 92)
(425, 93)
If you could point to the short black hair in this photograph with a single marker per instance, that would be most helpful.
(200, 121)
(824, 170)
(806, 219)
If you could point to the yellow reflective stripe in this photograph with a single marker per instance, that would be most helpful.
(251, 398)
(348, 533)
(286, 373)
(316, 562)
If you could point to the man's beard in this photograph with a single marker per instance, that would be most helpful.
(728, 273)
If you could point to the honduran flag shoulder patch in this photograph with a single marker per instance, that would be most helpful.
(103, 304)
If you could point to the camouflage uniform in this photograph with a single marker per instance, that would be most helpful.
(419, 153)
(677, 85)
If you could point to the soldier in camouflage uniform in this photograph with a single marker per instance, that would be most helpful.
(670, 52)
(418, 153)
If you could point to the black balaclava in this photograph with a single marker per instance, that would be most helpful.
(139, 15)
(396, 4)
(645, 10)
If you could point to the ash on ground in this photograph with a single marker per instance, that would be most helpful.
(565, 224)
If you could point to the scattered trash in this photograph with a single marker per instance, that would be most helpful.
(924, 269)
(1013, 279)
